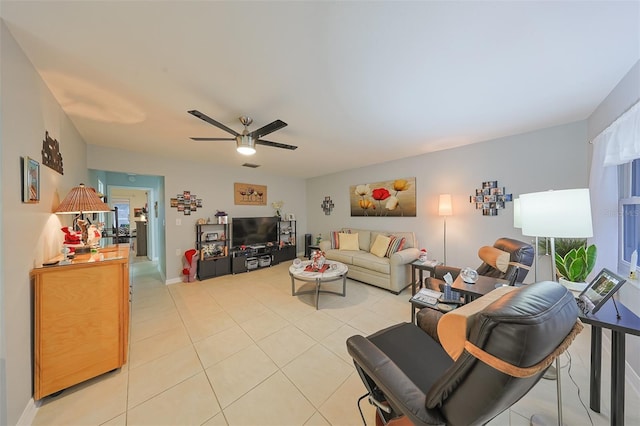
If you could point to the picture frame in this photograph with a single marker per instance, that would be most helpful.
(30, 180)
(248, 194)
(387, 198)
(600, 289)
(290, 216)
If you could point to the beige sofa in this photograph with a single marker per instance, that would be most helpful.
(391, 273)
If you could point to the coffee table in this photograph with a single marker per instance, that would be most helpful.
(337, 271)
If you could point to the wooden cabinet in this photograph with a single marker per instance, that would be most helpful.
(81, 319)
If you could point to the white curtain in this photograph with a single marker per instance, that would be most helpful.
(617, 144)
(622, 138)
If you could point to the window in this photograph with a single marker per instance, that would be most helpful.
(629, 223)
(123, 211)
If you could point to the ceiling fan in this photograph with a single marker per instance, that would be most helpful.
(245, 141)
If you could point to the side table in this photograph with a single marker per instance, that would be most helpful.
(416, 265)
(628, 323)
(481, 287)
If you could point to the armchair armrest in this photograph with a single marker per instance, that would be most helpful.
(403, 395)
(405, 256)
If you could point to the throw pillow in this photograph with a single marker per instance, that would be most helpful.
(348, 241)
(495, 257)
(395, 245)
(380, 246)
(335, 240)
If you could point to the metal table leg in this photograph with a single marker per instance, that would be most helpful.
(617, 377)
(596, 368)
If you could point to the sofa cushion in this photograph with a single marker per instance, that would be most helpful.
(344, 256)
(380, 245)
(395, 245)
(371, 262)
(335, 239)
(364, 237)
(348, 241)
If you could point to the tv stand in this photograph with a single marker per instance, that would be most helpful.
(252, 258)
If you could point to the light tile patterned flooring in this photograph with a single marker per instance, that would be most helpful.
(240, 350)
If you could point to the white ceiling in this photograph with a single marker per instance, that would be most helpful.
(358, 83)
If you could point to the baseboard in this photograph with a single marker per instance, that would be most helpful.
(173, 281)
(29, 414)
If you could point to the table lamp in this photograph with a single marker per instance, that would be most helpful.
(556, 214)
(81, 200)
(445, 209)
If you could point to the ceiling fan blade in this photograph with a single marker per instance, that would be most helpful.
(276, 144)
(213, 139)
(269, 128)
(210, 120)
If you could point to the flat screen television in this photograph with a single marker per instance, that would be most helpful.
(247, 231)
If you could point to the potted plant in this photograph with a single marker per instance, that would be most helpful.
(576, 263)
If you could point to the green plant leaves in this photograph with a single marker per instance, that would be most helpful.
(577, 264)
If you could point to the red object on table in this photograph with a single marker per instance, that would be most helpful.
(310, 268)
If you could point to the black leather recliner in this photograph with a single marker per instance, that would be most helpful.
(520, 261)
(516, 336)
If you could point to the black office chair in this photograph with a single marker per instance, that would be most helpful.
(489, 359)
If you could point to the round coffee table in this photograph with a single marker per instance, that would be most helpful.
(335, 272)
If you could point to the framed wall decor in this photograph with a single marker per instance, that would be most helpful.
(51, 155)
(185, 203)
(392, 198)
(249, 194)
(30, 180)
(490, 198)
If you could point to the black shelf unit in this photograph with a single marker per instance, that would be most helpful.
(286, 241)
(212, 243)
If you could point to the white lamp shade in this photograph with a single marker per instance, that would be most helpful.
(444, 205)
(557, 214)
(517, 215)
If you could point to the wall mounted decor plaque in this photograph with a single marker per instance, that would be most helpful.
(249, 194)
(491, 198)
(51, 155)
(393, 198)
(186, 202)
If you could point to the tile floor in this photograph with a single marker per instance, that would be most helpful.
(240, 350)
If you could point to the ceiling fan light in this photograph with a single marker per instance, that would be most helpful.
(245, 145)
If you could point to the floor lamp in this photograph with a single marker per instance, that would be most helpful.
(444, 210)
(556, 214)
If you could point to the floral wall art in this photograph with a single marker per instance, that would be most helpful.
(393, 198)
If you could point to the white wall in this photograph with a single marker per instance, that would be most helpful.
(30, 232)
(213, 184)
(553, 158)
